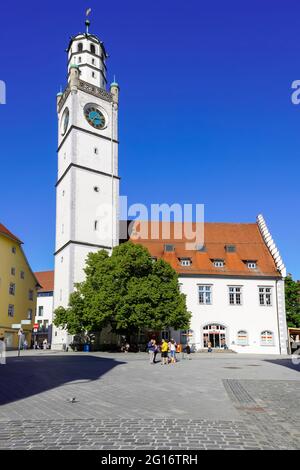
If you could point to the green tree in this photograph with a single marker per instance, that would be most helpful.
(127, 291)
(292, 302)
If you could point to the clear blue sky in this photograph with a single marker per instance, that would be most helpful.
(205, 112)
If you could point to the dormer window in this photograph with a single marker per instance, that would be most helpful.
(80, 47)
(168, 248)
(185, 262)
(201, 248)
(93, 49)
(251, 264)
(230, 248)
(218, 263)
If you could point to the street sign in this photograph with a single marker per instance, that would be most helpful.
(26, 322)
(16, 326)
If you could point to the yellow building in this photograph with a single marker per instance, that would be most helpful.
(18, 289)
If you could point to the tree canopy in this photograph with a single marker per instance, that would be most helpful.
(292, 302)
(127, 291)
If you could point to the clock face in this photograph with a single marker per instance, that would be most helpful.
(65, 121)
(94, 117)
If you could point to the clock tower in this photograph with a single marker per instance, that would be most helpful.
(87, 188)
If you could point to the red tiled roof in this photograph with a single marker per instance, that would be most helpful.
(9, 234)
(46, 280)
(249, 246)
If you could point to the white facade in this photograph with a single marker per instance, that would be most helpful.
(87, 189)
(44, 312)
(243, 325)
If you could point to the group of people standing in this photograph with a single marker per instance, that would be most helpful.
(168, 351)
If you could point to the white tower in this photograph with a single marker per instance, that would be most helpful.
(87, 188)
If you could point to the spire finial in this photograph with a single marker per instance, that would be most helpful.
(114, 78)
(87, 21)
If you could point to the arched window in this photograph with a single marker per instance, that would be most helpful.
(79, 49)
(242, 338)
(96, 225)
(267, 338)
(93, 49)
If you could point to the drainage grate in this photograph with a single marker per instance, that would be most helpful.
(237, 392)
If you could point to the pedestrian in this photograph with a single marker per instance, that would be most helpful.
(156, 350)
(45, 344)
(173, 351)
(209, 348)
(188, 351)
(25, 344)
(164, 352)
(151, 350)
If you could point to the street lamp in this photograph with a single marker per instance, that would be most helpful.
(18, 326)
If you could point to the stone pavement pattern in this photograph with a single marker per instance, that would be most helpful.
(122, 402)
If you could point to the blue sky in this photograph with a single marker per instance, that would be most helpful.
(205, 111)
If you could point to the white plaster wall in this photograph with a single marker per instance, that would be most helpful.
(249, 316)
(91, 206)
(47, 304)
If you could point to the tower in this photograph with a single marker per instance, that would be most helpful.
(87, 188)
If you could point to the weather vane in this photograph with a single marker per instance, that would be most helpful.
(87, 21)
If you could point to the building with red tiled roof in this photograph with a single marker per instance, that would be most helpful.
(232, 276)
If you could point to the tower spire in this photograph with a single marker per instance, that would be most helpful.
(87, 21)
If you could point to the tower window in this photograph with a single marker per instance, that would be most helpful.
(96, 189)
(80, 47)
(93, 49)
(93, 74)
(96, 225)
(93, 61)
(96, 151)
(79, 60)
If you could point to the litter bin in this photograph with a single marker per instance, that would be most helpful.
(86, 348)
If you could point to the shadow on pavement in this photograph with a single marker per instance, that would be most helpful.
(293, 364)
(27, 376)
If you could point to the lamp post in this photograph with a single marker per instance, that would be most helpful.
(18, 326)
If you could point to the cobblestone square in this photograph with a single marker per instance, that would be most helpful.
(214, 401)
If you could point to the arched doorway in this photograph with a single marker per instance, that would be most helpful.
(214, 333)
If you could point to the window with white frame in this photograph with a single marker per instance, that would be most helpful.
(218, 263)
(235, 295)
(29, 314)
(185, 262)
(265, 296)
(13, 271)
(251, 264)
(267, 338)
(242, 338)
(30, 294)
(205, 294)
